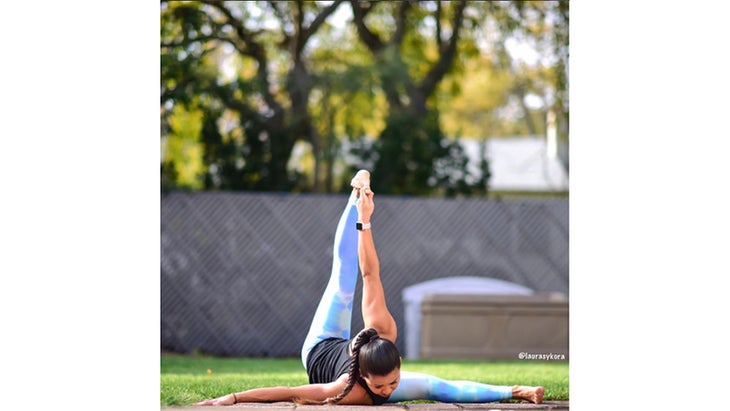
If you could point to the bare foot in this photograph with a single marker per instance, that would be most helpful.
(532, 394)
(361, 181)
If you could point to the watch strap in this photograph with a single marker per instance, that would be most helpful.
(362, 226)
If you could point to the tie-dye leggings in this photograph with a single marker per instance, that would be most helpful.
(334, 314)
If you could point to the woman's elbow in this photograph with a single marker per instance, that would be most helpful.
(369, 270)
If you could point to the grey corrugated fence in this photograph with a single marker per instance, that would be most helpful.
(242, 273)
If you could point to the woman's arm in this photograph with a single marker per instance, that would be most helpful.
(312, 392)
(367, 256)
(375, 312)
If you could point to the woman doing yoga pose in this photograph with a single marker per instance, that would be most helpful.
(365, 369)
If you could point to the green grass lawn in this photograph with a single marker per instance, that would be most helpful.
(185, 380)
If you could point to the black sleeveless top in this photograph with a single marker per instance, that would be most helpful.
(329, 359)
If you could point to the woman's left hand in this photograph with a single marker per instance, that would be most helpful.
(224, 400)
(365, 205)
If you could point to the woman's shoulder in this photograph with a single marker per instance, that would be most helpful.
(357, 396)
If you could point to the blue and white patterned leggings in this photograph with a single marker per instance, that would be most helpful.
(334, 314)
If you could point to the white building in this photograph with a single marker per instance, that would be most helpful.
(519, 164)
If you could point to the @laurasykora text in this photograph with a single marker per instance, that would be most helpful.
(540, 356)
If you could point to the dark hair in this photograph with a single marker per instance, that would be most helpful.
(371, 355)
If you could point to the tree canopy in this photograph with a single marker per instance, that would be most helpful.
(294, 96)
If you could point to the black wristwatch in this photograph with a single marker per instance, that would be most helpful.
(362, 226)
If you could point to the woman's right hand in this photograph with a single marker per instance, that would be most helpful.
(227, 399)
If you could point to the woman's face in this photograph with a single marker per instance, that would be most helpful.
(383, 385)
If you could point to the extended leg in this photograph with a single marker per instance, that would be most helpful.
(419, 386)
(334, 313)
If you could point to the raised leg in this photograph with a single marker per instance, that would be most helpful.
(334, 313)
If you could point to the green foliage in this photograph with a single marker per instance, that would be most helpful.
(413, 157)
(182, 149)
(185, 380)
(266, 80)
(474, 111)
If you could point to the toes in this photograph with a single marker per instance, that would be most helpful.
(539, 393)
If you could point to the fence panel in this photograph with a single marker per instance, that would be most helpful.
(242, 273)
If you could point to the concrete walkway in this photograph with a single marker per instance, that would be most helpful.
(288, 406)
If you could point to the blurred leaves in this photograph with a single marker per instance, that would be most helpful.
(283, 96)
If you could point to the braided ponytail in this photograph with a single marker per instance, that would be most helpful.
(362, 338)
